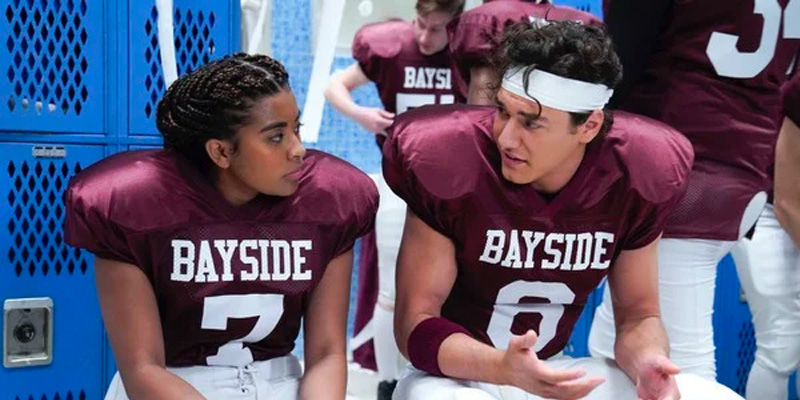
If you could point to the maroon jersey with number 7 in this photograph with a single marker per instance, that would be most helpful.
(232, 283)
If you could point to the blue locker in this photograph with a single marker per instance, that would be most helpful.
(733, 330)
(578, 342)
(341, 136)
(52, 65)
(203, 32)
(35, 262)
(590, 6)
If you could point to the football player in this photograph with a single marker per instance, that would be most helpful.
(410, 64)
(713, 71)
(769, 266)
(211, 252)
(516, 213)
(476, 34)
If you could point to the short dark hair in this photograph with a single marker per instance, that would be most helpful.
(452, 7)
(564, 48)
(214, 101)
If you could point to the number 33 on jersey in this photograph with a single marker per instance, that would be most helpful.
(724, 49)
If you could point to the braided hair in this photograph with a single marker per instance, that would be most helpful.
(214, 101)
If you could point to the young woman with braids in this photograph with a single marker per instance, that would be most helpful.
(209, 253)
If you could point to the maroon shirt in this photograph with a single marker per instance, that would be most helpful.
(791, 99)
(715, 76)
(222, 275)
(523, 262)
(476, 33)
(389, 56)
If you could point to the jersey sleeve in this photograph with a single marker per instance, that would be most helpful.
(431, 161)
(658, 162)
(651, 219)
(376, 45)
(366, 58)
(401, 170)
(89, 225)
(352, 197)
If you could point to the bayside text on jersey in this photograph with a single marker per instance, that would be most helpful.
(389, 56)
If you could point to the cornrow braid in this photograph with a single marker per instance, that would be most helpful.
(214, 101)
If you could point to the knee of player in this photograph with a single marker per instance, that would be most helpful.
(781, 359)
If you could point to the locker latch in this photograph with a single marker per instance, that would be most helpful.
(27, 332)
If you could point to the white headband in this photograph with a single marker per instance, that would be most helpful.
(557, 92)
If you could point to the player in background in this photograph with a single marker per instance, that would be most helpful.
(712, 70)
(515, 216)
(476, 34)
(769, 266)
(410, 64)
(210, 253)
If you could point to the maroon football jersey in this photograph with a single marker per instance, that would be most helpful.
(232, 283)
(476, 33)
(389, 55)
(791, 99)
(715, 76)
(525, 262)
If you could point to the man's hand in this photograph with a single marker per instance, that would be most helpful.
(523, 369)
(374, 120)
(656, 380)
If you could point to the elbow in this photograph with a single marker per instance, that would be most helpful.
(781, 208)
(134, 379)
(786, 212)
(328, 92)
(334, 86)
(336, 352)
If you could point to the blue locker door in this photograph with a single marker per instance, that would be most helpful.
(733, 330)
(202, 32)
(35, 262)
(590, 6)
(51, 66)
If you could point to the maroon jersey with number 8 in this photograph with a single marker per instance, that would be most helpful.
(525, 262)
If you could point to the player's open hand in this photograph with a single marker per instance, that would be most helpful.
(656, 380)
(373, 119)
(523, 369)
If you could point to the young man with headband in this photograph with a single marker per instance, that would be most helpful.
(517, 213)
